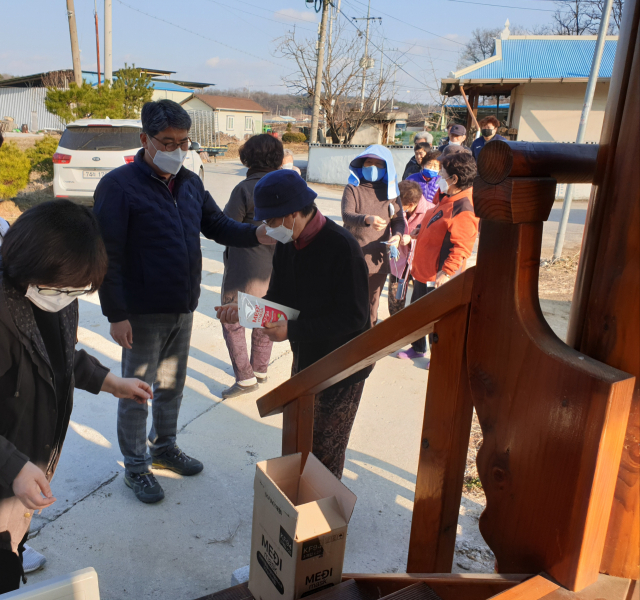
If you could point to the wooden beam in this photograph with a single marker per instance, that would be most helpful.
(392, 334)
(533, 589)
(521, 200)
(605, 319)
(449, 586)
(443, 450)
(566, 163)
(297, 427)
(553, 420)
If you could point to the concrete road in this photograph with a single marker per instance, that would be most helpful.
(189, 544)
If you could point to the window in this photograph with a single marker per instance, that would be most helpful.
(101, 138)
(248, 123)
(229, 123)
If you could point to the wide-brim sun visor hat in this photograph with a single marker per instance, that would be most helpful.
(281, 193)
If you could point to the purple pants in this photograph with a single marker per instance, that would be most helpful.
(261, 345)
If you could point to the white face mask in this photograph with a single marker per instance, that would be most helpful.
(281, 233)
(443, 185)
(52, 303)
(288, 165)
(168, 162)
(453, 143)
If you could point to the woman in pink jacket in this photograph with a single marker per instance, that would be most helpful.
(414, 206)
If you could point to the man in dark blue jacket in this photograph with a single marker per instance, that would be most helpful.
(489, 130)
(151, 213)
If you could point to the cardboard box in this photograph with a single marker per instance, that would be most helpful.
(299, 529)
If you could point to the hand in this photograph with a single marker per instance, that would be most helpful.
(276, 332)
(132, 388)
(394, 241)
(263, 238)
(30, 486)
(414, 234)
(441, 278)
(228, 313)
(378, 223)
(406, 240)
(122, 334)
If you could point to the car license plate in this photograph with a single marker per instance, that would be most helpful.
(93, 174)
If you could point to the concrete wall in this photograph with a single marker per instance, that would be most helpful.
(330, 163)
(367, 134)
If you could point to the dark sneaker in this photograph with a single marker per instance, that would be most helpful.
(176, 460)
(238, 390)
(145, 486)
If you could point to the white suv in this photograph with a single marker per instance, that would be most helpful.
(90, 148)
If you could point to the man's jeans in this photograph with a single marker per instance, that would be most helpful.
(158, 357)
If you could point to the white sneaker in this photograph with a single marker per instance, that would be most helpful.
(32, 560)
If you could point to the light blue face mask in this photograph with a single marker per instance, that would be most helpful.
(373, 173)
(429, 173)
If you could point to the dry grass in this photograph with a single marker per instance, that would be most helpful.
(558, 278)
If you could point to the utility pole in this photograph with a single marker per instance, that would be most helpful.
(108, 54)
(584, 118)
(317, 91)
(377, 105)
(95, 12)
(365, 61)
(75, 49)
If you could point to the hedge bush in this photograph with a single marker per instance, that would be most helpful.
(14, 170)
(290, 137)
(41, 155)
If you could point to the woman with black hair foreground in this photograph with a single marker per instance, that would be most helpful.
(248, 270)
(52, 255)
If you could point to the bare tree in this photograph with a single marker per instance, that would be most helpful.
(582, 17)
(482, 44)
(342, 79)
(57, 79)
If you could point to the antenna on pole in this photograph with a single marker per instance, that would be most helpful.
(366, 62)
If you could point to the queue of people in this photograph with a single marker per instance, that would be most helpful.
(140, 250)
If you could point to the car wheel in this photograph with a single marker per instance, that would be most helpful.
(202, 174)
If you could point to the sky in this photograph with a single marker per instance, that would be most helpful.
(231, 43)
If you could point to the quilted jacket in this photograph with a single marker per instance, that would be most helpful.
(152, 235)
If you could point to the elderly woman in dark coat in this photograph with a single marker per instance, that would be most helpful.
(249, 269)
(52, 255)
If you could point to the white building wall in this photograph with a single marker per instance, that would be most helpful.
(550, 112)
(237, 125)
(330, 164)
(167, 95)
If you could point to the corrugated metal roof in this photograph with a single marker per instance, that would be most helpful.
(26, 106)
(545, 59)
(158, 84)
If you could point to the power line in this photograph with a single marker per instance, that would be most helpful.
(200, 35)
(504, 6)
(414, 26)
(244, 14)
(384, 54)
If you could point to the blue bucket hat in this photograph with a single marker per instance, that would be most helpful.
(281, 193)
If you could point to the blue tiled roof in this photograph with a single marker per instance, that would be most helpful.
(545, 59)
(158, 84)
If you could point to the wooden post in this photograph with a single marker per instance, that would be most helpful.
(297, 427)
(443, 451)
(605, 319)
